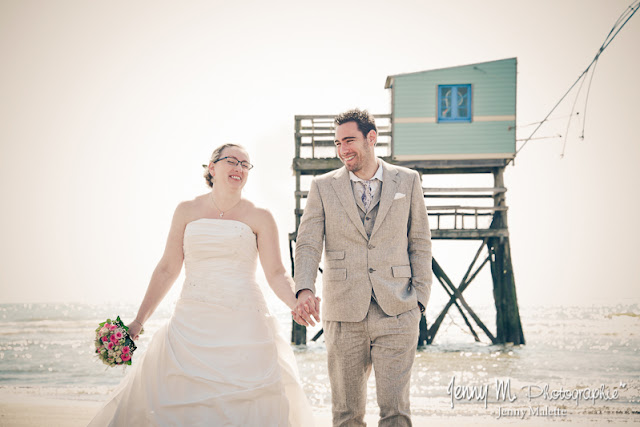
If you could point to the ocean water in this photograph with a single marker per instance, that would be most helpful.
(47, 350)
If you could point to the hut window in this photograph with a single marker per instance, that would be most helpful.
(454, 103)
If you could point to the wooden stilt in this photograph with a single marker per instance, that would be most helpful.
(466, 280)
(424, 332)
(508, 325)
(298, 332)
(437, 270)
(452, 300)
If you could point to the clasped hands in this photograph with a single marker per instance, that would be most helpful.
(307, 308)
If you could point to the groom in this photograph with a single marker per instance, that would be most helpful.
(377, 272)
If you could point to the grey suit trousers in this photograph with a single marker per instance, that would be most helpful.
(386, 343)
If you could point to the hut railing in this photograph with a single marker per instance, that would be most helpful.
(315, 136)
(457, 212)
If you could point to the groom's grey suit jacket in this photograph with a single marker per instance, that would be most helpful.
(392, 257)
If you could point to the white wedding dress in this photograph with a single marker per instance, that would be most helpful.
(220, 360)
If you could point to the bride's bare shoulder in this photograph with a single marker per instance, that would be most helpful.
(190, 210)
(261, 217)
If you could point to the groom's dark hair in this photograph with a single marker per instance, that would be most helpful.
(363, 119)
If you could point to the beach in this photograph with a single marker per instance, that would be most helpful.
(50, 376)
(32, 411)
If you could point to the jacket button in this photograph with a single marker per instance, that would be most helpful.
(371, 270)
(367, 218)
(370, 246)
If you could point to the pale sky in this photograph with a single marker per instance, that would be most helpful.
(108, 109)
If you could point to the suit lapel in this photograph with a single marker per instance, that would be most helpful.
(376, 198)
(389, 186)
(342, 186)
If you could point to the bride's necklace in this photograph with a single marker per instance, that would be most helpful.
(221, 212)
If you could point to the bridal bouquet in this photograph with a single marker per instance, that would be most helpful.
(114, 345)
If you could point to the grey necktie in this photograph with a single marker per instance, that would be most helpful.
(367, 194)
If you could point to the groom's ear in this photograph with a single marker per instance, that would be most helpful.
(372, 137)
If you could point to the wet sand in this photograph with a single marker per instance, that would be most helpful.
(32, 411)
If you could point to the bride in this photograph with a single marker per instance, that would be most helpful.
(220, 360)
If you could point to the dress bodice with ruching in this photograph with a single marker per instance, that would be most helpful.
(220, 259)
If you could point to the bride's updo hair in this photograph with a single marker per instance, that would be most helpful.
(215, 156)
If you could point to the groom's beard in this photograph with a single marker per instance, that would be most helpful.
(361, 156)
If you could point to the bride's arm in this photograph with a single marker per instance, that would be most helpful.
(165, 273)
(269, 250)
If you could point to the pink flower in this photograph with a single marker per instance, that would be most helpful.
(105, 339)
(113, 339)
(110, 346)
(118, 334)
(126, 357)
(112, 327)
(125, 349)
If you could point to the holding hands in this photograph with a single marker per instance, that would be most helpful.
(307, 308)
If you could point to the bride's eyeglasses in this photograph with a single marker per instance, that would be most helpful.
(235, 162)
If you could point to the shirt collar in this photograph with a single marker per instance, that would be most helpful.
(377, 175)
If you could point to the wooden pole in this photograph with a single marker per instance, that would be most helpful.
(466, 280)
(423, 337)
(439, 272)
(298, 332)
(508, 324)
